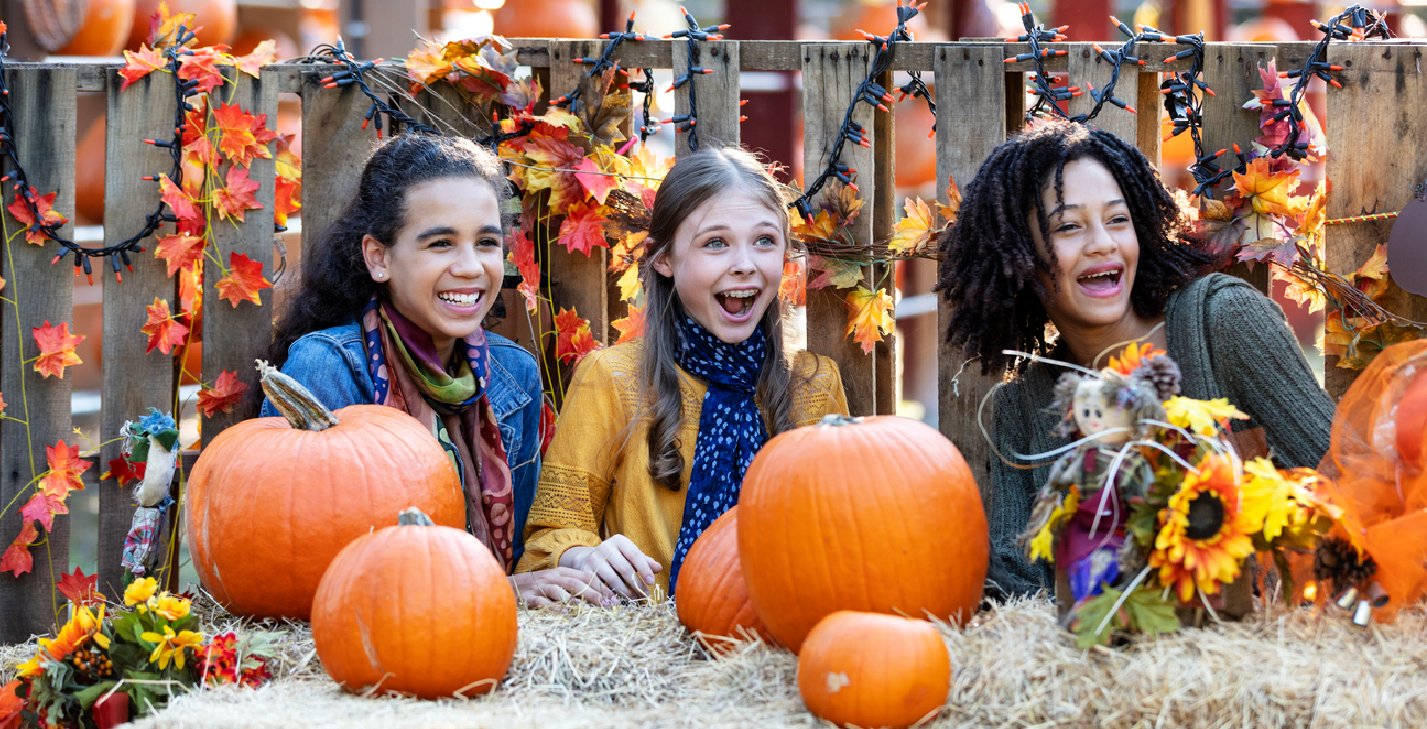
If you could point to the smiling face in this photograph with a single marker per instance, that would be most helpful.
(726, 261)
(1096, 251)
(446, 265)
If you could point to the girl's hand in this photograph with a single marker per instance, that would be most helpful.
(546, 588)
(618, 563)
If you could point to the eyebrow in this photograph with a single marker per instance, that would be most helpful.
(448, 230)
(719, 227)
(1063, 207)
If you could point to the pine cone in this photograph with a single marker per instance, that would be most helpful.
(1337, 560)
(1164, 373)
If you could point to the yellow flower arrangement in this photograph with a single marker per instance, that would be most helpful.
(140, 590)
(171, 646)
(83, 626)
(1205, 533)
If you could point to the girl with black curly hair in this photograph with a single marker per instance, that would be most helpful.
(1070, 227)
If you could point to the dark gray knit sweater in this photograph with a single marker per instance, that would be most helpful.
(1229, 341)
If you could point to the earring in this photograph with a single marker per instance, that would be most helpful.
(379, 276)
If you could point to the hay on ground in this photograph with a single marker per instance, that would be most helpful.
(1013, 666)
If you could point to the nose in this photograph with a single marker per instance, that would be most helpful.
(743, 260)
(1099, 240)
(467, 263)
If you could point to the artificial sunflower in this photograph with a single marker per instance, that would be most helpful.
(1204, 534)
(1132, 357)
(83, 625)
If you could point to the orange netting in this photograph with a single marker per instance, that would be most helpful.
(1376, 472)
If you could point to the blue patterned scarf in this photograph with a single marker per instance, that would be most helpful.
(730, 426)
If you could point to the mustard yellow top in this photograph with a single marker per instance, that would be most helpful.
(594, 482)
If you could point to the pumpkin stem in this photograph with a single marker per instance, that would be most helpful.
(412, 516)
(837, 419)
(294, 401)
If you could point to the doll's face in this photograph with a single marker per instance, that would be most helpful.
(1096, 411)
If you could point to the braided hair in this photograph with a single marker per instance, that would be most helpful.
(989, 260)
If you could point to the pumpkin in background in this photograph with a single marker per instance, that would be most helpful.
(272, 500)
(546, 19)
(1411, 421)
(216, 19)
(89, 173)
(415, 608)
(713, 601)
(877, 514)
(873, 670)
(105, 28)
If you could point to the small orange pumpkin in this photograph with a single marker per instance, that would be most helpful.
(713, 601)
(878, 514)
(873, 670)
(418, 609)
(272, 500)
(1412, 420)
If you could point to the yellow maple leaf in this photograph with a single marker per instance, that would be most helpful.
(1371, 277)
(820, 227)
(914, 232)
(1266, 190)
(628, 284)
(627, 251)
(869, 316)
(1202, 417)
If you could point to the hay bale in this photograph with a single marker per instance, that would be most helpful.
(1013, 666)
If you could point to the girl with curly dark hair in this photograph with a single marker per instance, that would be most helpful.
(1069, 229)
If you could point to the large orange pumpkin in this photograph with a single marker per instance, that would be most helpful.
(1412, 420)
(873, 670)
(272, 500)
(216, 19)
(106, 25)
(876, 514)
(89, 173)
(418, 609)
(713, 601)
(547, 19)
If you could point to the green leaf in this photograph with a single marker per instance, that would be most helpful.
(1089, 616)
(1151, 612)
(1143, 523)
(87, 697)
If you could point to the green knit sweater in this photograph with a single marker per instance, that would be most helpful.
(1229, 341)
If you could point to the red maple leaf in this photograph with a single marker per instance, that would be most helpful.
(140, 63)
(227, 391)
(287, 199)
(2, 404)
(594, 180)
(236, 195)
(583, 229)
(42, 509)
(198, 65)
(183, 205)
(66, 471)
(243, 282)
(17, 560)
(164, 331)
(48, 216)
(10, 702)
(244, 136)
(56, 349)
(262, 54)
(522, 255)
(573, 338)
(123, 471)
(179, 251)
(81, 589)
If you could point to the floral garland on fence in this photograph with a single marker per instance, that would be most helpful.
(214, 145)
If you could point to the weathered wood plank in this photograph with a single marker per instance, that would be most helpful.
(144, 110)
(332, 141)
(832, 72)
(1383, 93)
(35, 292)
(1086, 69)
(234, 335)
(717, 93)
(887, 387)
(579, 280)
(971, 98)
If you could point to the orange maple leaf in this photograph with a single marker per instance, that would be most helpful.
(183, 206)
(42, 509)
(243, 282)
(140, 63)
(179, 251)
(244, 137)
(79, 588)
(596, 183)
(164, 331)
(56, 349)
(631, 326)
(2, 404)
(551, 156)
(583, 229)
(821, 226)
(1372, 277)
(1267, 189)
(427, 63)
(198, 65)
(913, 233)
(236, 195)
(190, 290)
(48, 217)
(226, 392)
(263, 53)
(65, 472)
(793, 287)
(287, 190)
(573, 338)
(163, 25)
(522, 256)
(10, 702)
(952, 209)
(869, 316)
(17, 559)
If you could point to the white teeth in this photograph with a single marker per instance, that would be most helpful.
(740, 294)
(1106, 274)
(460, 299)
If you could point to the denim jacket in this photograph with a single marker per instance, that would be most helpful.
(332, 364)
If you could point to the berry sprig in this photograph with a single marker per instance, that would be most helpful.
(871, 93)
(118, 254)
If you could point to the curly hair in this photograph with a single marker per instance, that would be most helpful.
(989, 259)
(694, 180)
(335, 283)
